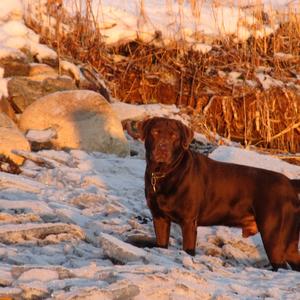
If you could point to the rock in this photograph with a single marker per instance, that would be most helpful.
(82, 293)
(24, 91)
(123, 290)
(21, 183)
(12, 234)
(10, 293)
(82, 120)
(19, 218)
(14, 67)
(41, 72)
(41, 139)
(38, 274)
(120, 251)
(11, 138)
(34, 290)
(6, 108)
(141, 240)
(63, 273)
(6, 278)
(41, 136)
(6, 122)
(8, 165)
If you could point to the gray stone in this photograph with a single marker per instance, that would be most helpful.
(10, 293)
(41, 72)
(34, 290)
(120, 251)
(6, 278)
(123, 290)
(24, 91)
(12, 234)
(14, 67)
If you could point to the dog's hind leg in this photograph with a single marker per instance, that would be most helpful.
(275, 253)
(270, 227)
(292, 251)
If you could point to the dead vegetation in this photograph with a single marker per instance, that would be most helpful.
(223, 90)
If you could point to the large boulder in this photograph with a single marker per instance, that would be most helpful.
(11, 138)
(82, 119)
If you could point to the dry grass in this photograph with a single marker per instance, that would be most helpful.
(138, 72)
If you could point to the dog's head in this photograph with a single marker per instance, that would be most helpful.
(165, 139)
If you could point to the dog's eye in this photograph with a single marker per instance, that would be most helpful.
(155, 132)
(174, 136)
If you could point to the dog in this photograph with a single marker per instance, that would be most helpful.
(193, 190)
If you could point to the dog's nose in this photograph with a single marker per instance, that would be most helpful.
(163, 146)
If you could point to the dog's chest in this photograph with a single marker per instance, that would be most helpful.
(165, 203)
(168, 207)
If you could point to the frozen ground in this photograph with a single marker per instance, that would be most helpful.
(66, 225)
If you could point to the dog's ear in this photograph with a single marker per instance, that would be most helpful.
(144, 127)
(137, 129)
(131, 127)
(187, 136)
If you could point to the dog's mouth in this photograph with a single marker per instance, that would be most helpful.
(161, 156)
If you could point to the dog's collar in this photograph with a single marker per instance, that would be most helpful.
(155, 176)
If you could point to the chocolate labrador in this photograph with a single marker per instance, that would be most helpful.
(192, 190)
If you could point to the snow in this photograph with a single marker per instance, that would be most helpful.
(128, 111)
(11, 9)
(67, 219)
(14, 28)
(70, 67)
(173, 20)
(267, 81)
(16, 36)
(164, 22)
(254, 159)
(41, 51)
(10, 52)
(41, 136)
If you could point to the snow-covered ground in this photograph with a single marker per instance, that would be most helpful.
(66, 227)
(68, 222)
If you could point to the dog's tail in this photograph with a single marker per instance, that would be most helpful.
(296, 184)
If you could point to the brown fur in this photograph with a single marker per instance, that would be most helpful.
(192, 190)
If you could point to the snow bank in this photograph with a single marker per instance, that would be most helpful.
(128, 20)
(12, 9)
(254, 159)
(162, 22)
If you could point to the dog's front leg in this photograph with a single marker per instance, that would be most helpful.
(162, 231)
(189, 236)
